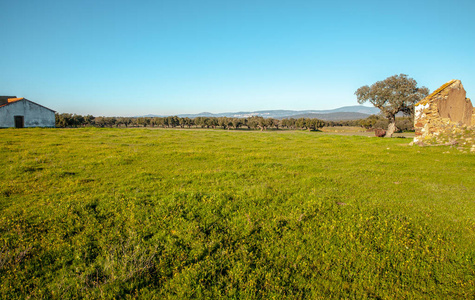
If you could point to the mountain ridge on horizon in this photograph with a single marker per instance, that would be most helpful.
(342, 113)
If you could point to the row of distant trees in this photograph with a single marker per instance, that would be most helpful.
(73, 120)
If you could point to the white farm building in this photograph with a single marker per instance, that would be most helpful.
(21, 112)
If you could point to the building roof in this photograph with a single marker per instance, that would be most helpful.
(4, 99)
(15, 99)
(10, 101)
(437, 91)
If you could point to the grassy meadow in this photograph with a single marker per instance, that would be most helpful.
(141, 213)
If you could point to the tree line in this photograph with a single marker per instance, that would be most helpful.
(255, 122)
(66, 120)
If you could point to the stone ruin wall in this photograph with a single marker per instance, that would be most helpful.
(446, 117)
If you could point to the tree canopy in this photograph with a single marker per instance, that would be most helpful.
(394, 94)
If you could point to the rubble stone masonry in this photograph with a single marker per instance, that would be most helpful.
(446, 117)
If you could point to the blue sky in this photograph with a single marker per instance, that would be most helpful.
(126, 58)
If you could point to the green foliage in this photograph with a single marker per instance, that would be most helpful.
(69, 120)
(116, 213)
(73, 120)
(370, 122)
(394, 94)
(405, 123)
(375, 121)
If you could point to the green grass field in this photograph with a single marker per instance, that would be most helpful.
(138, 213)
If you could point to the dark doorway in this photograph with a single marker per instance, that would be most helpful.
(19, 122)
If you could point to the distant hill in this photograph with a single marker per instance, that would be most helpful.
(343, 113)
(336, 116)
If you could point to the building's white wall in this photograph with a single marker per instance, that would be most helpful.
(8, 112)
(34, 114)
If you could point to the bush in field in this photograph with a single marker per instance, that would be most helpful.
(73, 120)
(370, 121)
(405, 123)
(379, 122)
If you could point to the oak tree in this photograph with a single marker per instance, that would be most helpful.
(394, 94)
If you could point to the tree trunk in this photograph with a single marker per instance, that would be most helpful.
(391, 127)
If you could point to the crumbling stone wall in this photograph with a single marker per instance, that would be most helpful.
(445, 116)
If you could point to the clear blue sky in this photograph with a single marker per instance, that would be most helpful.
(165, 57)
